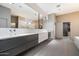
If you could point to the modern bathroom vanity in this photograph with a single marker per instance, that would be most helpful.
(15, 44)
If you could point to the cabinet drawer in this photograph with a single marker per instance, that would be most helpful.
(10, 43)
(42, 37)
(31, 37)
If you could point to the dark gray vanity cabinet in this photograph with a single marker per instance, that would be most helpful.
(16, 45)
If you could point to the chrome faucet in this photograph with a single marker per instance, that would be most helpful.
(12, 30)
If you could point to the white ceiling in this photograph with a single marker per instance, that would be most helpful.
(63, 9)
(37, 8)
(31, 10)
(21, 9)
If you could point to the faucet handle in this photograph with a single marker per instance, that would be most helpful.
(10, 30)
(14, 30)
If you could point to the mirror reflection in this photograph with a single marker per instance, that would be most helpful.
(19, 15)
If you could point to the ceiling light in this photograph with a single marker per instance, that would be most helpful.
(11, 3)
(58, 5)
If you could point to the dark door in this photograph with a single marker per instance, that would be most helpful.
(66, 28)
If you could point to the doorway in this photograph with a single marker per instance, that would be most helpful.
(66, 28)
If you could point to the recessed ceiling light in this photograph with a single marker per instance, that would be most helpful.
(20, 6)
(58, 5)
(11, 3)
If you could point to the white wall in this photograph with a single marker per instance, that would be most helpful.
(59, 30)
(73, 18)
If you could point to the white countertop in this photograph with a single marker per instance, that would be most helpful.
(15, 35)
(5, 33)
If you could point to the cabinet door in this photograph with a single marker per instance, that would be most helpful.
(43, 37)
(31, 37)
(17, 41)
(11, 43)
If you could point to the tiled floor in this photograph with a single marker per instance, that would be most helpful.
(63, 47)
